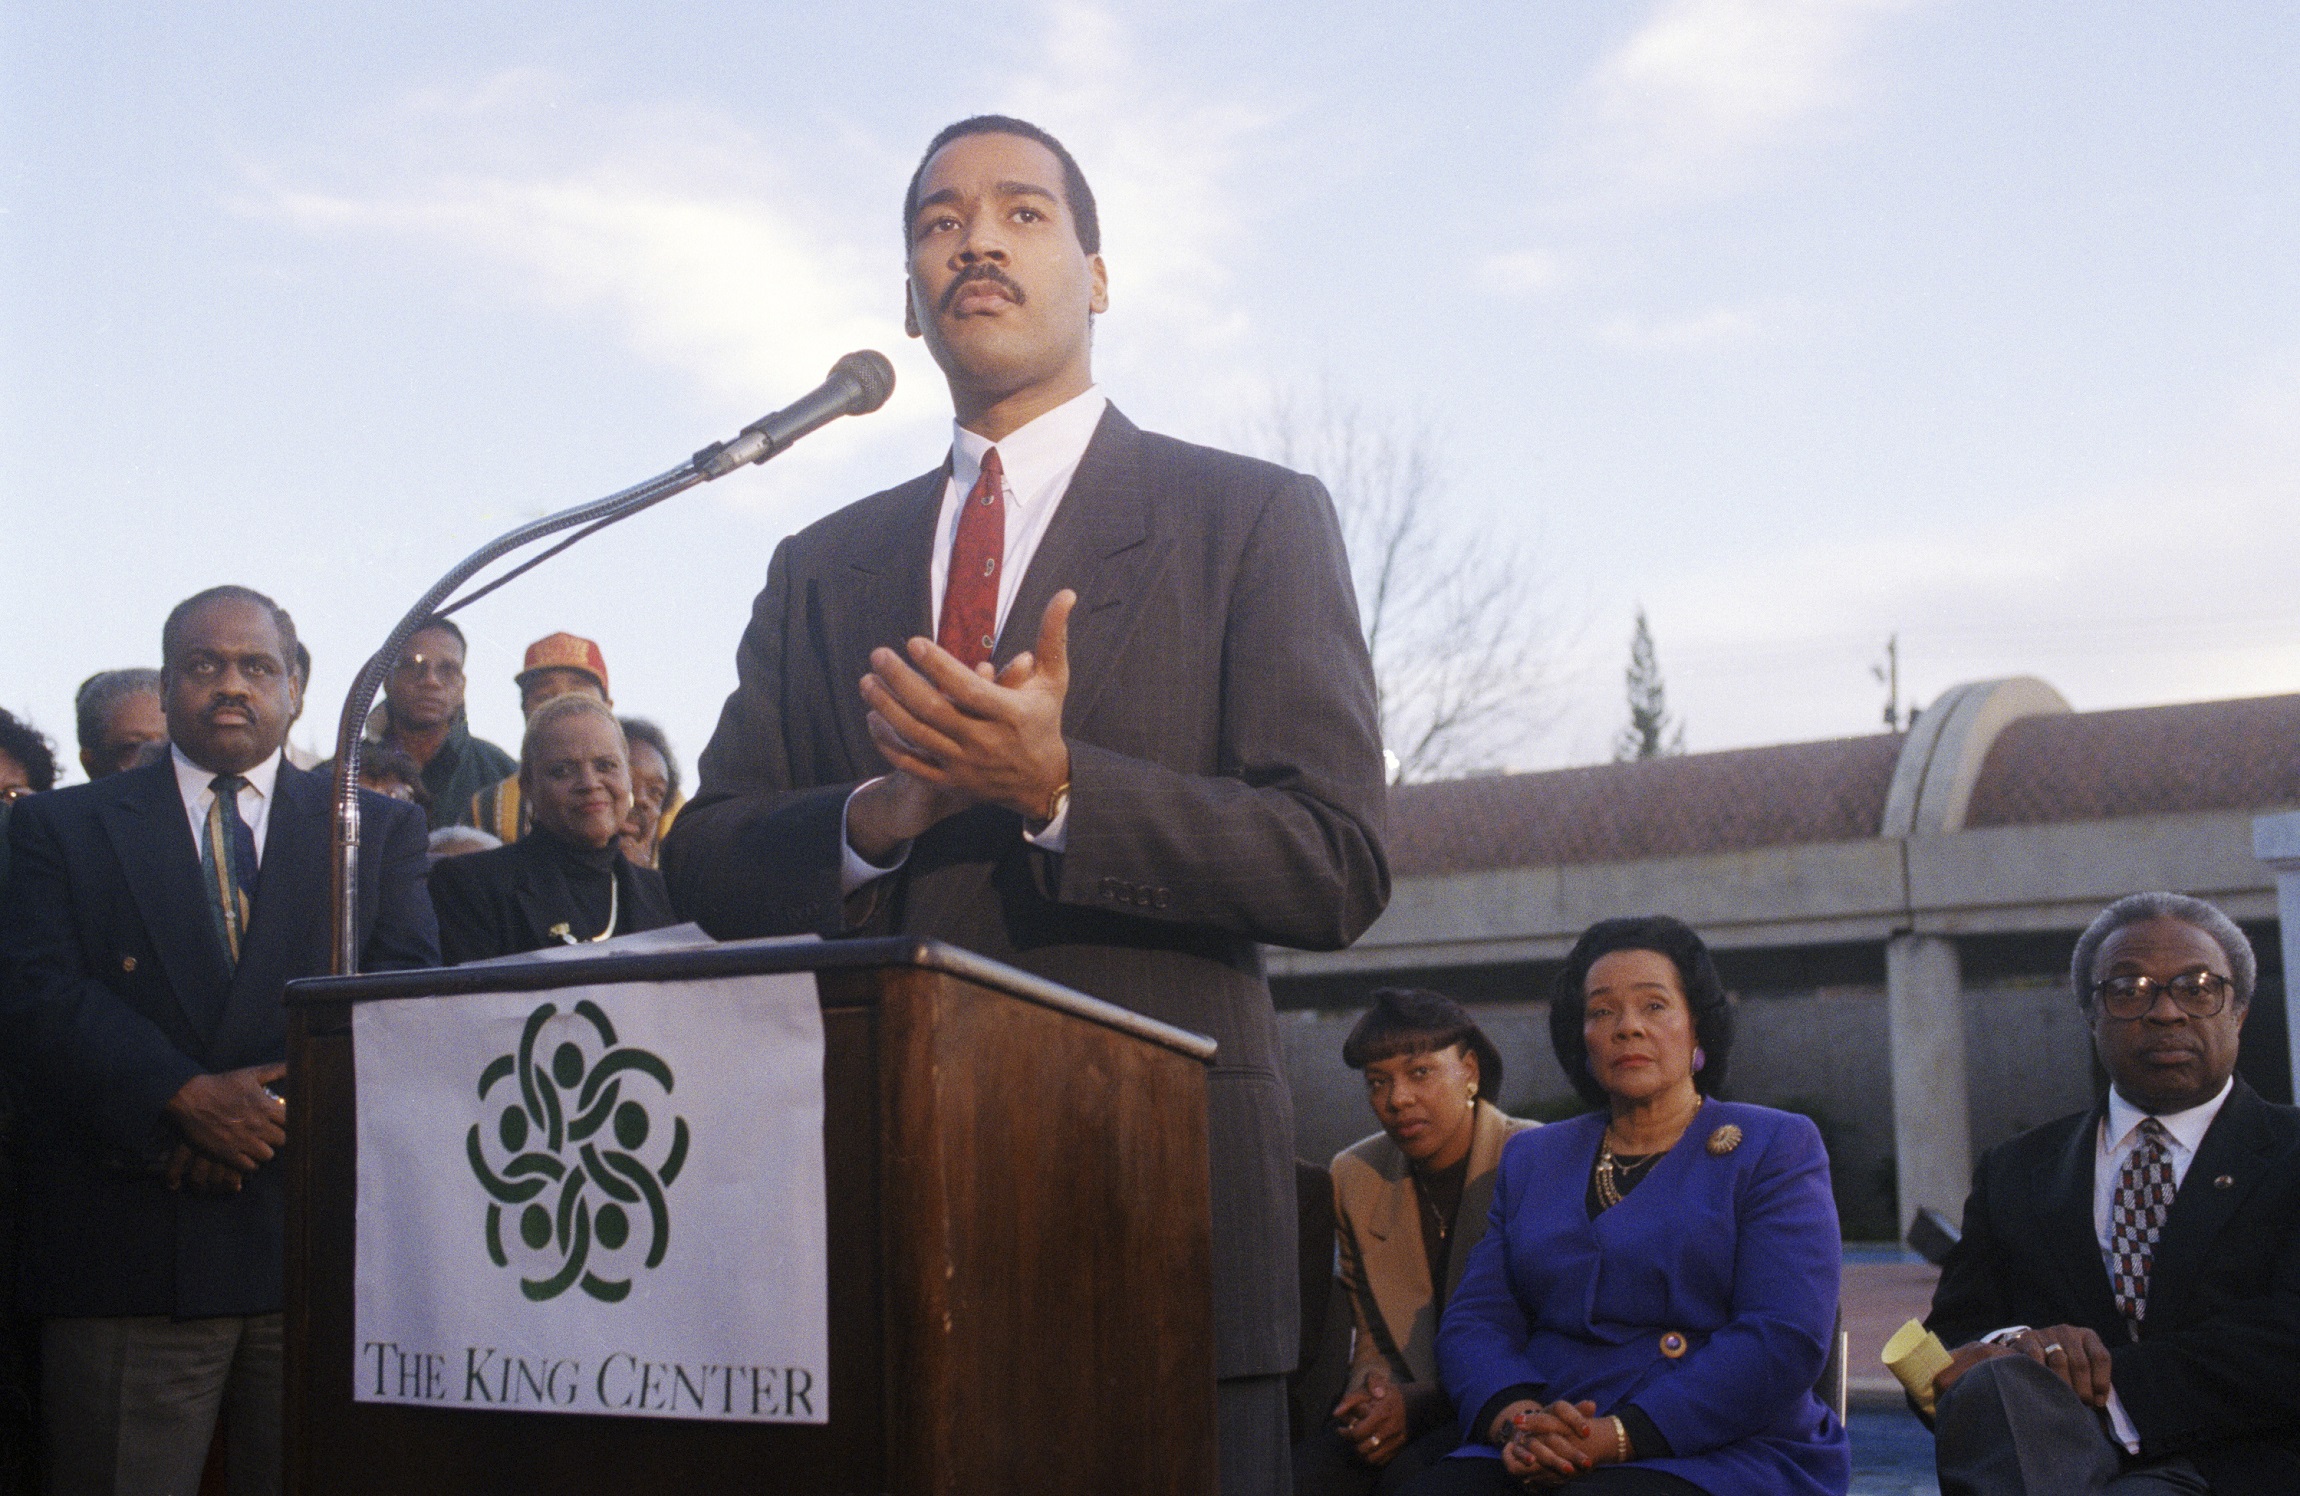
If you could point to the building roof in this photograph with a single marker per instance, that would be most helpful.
(2214, 755)
(2096, 766)
(1662, 807)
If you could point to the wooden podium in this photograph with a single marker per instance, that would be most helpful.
(1018, 1239)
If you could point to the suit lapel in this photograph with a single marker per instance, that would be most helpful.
(1396, 1266)
(144, 817)
(2231, 1150)
(2069, 1238)
(1477, 1190)
(1096, 545)
(882, 600)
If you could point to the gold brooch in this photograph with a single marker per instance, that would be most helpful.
(1672, 1345)
(1724, 1140)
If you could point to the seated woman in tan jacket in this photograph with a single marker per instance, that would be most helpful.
(1409, 1203)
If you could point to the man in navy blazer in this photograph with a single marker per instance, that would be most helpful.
(2125, 1299)
(1091, 701)
(140, 994)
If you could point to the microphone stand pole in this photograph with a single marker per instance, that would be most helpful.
(757, 442)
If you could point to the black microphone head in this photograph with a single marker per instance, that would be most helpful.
(871, 373)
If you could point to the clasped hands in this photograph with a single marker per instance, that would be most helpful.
(232, 1126)
(960, 737)
(2073, 1353)
(1372, 1417)
(1548, 1446)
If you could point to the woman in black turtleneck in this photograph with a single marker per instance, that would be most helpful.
(565, 882)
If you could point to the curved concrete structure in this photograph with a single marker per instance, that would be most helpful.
(1942, 757)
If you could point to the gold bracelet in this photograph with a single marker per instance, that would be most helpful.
(1620, 1439)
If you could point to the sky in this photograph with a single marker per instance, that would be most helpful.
(1801, 324)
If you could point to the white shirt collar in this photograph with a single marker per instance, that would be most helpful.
(194, 781)
(2187, 1128)
(1033, 455)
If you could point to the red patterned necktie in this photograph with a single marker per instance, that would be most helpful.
(2136, 1220)
(969, 623)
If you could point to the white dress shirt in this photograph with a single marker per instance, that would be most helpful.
(1038, 461)
(197, 786)
(2114, 1140)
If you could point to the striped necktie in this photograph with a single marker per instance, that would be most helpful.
(228, 864)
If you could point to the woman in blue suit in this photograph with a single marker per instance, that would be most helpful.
(1654, 1297)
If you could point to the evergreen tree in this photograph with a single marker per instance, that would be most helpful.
(1651, 732)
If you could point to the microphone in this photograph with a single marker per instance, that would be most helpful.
(856, 385)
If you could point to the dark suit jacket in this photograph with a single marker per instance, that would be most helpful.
(506, 899)
(1226, 784)
(2215, 1374)
(114, 991)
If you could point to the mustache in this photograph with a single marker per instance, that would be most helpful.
(983, 272)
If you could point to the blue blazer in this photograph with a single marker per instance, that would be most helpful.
(1737, 1253)
(115, 990)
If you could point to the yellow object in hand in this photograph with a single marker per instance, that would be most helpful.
(1915, 1356)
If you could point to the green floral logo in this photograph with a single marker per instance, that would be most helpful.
(571, 1127)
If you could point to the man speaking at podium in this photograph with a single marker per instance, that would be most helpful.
(1090, 701)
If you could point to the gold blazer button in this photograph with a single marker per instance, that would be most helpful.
(1672, 1344)
(1724, 1140)
(127, 963)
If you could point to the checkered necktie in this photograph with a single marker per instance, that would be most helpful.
(228, 864)
(2136, 1220)
(970, 597)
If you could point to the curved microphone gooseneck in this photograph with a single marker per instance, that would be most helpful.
(857, 385)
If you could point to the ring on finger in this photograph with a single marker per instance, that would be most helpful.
(2055, 1349)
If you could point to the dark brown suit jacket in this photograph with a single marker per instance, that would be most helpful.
(1226, 784)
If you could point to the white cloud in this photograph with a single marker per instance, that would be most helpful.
(674, 229)
(1525, 272)
(1162, 159)
(2156, 590)
(720, 288)
(678, 229)
(1717, 327)
(1705, 86)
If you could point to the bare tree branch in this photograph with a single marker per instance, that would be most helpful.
(1460, 631)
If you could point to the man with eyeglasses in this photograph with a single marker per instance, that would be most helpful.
(2126, 1296)
(422, 716)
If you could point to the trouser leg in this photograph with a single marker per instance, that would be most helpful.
(1325, 1464)
(252, 1410)
(2009, 1427)
(1251, 1418)
(130, 1403)
(1398, 1475)
(2177, 1476)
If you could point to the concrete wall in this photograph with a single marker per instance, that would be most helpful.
(2028, 1055)
(2000, 879)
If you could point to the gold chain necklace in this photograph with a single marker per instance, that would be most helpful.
(1611, 1171)
(565, 929)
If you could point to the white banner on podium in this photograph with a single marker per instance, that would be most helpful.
(595, 1200)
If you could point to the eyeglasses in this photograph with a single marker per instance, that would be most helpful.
(416, 667)
(2199, 994)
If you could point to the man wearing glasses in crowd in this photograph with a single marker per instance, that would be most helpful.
(2126, 1295)
(422, 716)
